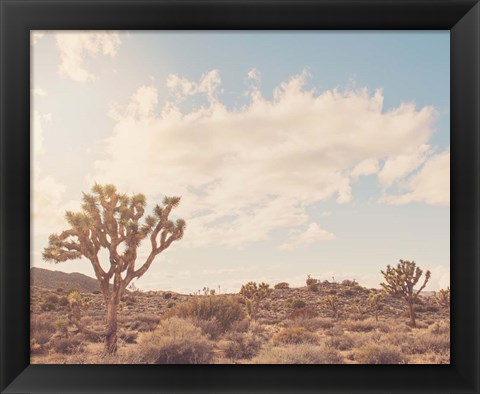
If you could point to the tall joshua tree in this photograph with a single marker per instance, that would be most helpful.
(112, 221)
(401, 280)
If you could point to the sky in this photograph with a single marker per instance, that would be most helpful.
(295, 153)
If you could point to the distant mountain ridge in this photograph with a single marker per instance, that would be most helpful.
(48, 279)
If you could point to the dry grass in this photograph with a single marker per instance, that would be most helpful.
(214, 329)
(298, 354)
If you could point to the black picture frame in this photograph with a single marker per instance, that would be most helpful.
(18, 17)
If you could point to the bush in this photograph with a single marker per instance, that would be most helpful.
(170, 305)
(175, 341)
(210, 327)
(296, 303)
(427, 342)
(142, 322)
(128, 336)
(383, 353)
(282, 286)
(349, 283)
(306, 312)
(41, 329)
(295, 335)
(47, 306)
(226, 310)
(360, 325)
(313, 287)
(311, 281)
(167, 296)
(67, 345)
(242, 345)
(298, 354)
(63, 301)
(341, 342)
(316, 323)
(52, 298)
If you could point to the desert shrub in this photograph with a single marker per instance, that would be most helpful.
(63, 301)
(60, 290)
(296, 303)
(47, 306)
(360, 325)
(175, 341)
(226, 310)
(41, 328)
(240, 325)
(349, 283)
(295, 335)
(306, 312)
(67, 345)
(128, 336)
(242, 345)
(62, 326)
(35, 347)
(313, 287)
(341, 342)
(167, 296)
(311, 281)
(379, 353)
(427, 342)
(170, 305)
(298, 354)
(316, 323)
(282, 286)
(53, 298)
(209, 327)
(440, 328)
(141, 322)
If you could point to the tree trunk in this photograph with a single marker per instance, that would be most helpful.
(111, 338)
(412, 314)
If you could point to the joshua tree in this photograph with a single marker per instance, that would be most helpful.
(253, 294)
(112, 221)
(374, 299)
(443, 297)
(400, 282)
(332, 303)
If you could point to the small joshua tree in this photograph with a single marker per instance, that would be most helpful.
(332, 303)
(112, 221)
(253, 294)
(400, 281)
(443, 297)
(374, 300)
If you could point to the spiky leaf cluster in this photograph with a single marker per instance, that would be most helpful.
(401, 280)
(254, 292)
(115, 221)
(443, 297)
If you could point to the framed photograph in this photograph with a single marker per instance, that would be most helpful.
(239, 197)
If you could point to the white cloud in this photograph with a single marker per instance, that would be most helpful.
(76, 47)
(314, 233)
(430, 185)
(245, 172)
(253, 74)
(39, 92)
(47, 209)
(182, 87)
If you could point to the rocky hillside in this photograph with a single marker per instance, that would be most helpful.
(48, 279)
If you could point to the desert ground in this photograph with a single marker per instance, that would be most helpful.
(329, 323)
